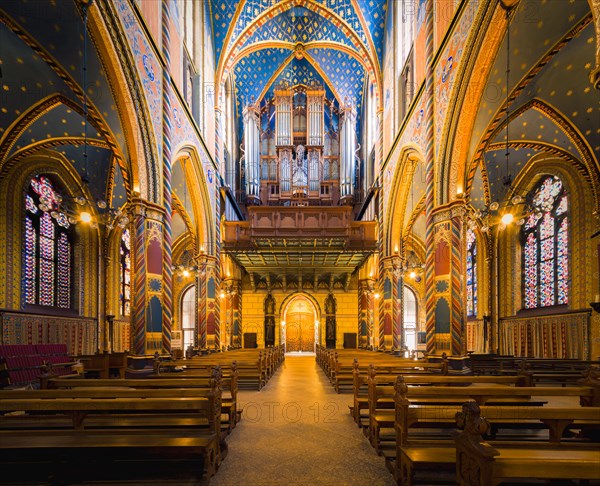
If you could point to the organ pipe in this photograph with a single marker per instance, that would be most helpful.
(347, 151)
(252, 155)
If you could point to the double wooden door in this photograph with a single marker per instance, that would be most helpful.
(300, 332)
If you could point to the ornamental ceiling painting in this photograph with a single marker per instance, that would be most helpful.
(42, 98)
(335, 43)
(553, 108)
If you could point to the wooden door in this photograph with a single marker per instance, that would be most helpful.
(300, 332)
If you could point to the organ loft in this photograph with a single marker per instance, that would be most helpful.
(299, 149)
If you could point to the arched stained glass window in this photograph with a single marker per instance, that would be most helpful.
(471, 273)
(546, 247)
(410, 319)
(125, 272)
(48, 248)
(188, 317)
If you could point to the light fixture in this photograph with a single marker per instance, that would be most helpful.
(511, 203)
(507, 218)
(85, 217)
(80, 209)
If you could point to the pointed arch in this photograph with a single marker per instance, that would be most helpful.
(202, 203)
(410, 156)
(227, 58)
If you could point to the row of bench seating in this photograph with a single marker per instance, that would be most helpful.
(22, 364)
(543, 370)
(254, 367)
(340, 365)
(499, 441)
(141, 425)
(411, 420)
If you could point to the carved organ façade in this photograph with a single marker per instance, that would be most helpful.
(296, 153)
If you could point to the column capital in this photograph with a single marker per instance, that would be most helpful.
(392, 263)
(456, 208)
(141, 208)
(367, 284)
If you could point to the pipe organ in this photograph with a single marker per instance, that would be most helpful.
(252, 153)
(293, 147)
(315, 103)
(284, 116)
(347, 154)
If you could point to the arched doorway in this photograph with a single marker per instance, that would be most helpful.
(301, 325)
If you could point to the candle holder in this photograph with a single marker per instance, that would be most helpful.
(595, 306)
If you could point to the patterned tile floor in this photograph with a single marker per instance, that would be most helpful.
(298, 431)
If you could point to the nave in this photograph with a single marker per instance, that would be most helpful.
(297, 430)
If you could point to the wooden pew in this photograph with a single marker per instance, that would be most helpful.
(132, 423)
(416, 450)
(480, 463)
(229, 402)
(367, 397)
(361, 379)
(342, 372)
(255, 367)
(384, 398)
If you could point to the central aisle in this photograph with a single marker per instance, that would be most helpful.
(297, 430)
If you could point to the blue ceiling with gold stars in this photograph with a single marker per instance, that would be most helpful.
(48, 94)
(333, 42)
(556, 110)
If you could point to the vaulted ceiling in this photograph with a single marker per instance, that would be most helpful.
(41, 99)
(553, 107)
(336, 43)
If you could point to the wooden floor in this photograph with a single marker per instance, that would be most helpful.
(297, 430)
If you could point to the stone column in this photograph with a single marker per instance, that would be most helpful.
(446, 299)
(366, 313)
(167, 269)
(232, 304)
(147, 291)
(209, 334)
(391, 319)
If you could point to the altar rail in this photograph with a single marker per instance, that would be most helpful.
(78, 333)
(557, 336)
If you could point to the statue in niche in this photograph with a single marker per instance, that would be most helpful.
(300, 171)
(269, 308)
(330, 321)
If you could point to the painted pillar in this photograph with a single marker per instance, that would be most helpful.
(252, 153)
(347, 154)
(429, 180)
(167, 270)
(232, 306)
(208, 304)
(366, 313)
(447, 294)
(147, 254)
(236, 306)
(391, 316)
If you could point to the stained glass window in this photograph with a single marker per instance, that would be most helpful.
(546, 247)
(47, 249)
(125, 272)
(471, 273)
